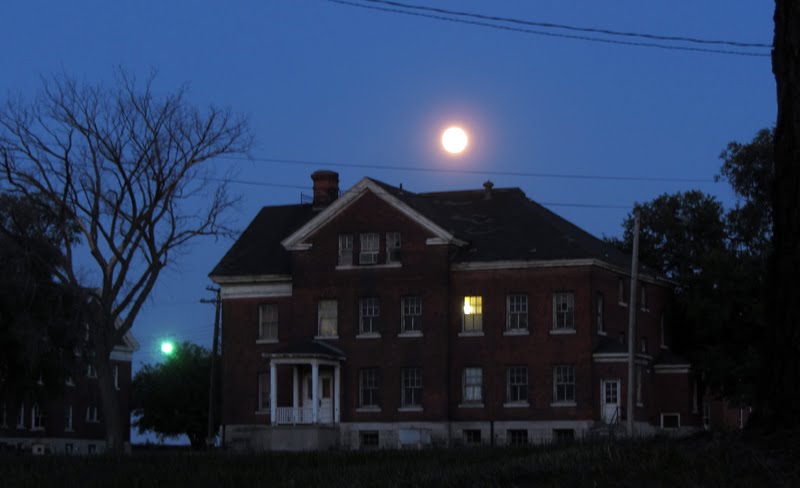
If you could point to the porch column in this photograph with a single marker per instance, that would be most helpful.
(336, 395)
(295, 395)
(273, 393)
(314, 391)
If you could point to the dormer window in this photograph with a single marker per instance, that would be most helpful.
(392, 247)
(370, 244)
(345, 249)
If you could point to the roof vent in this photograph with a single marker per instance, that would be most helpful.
(487, 190)
(326, 187)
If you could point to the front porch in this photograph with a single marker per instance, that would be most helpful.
(316, 385)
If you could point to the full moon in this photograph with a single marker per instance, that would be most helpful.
(454, 140)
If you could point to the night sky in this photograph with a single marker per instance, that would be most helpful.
(331, 83)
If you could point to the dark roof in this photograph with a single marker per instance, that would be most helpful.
(309, 349)
(258, 250)
(667, 357)
(609, 345)
(508, 226)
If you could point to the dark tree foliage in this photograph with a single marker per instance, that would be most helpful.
(171, 397)
(39, 317)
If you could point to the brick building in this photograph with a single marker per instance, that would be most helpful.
(383, 317)
(73, 422)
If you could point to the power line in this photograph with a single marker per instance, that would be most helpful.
(420, 169)
(511, 20)
(548, 34)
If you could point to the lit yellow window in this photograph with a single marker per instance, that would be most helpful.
(473, 314)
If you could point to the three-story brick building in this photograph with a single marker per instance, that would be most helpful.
(383, 317)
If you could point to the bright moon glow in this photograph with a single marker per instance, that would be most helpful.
(167, 347)
(454, 140)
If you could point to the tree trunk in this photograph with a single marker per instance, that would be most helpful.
(109, 396)
(778, 406)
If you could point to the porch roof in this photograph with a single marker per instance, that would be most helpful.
(309, 349)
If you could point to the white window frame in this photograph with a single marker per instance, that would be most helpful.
(564, 384)
(69, 381)
(92, 414)
(68, 418)
(91, 371)
(472, 385)
(370, 247)
(411, 387)
(116, 376)
(517, 384)
(411, 315)
(37, 417)
(516, 313)
(393, 244)
(328, 310)
(643, 345)
(268, 322)
(21, 416)
(369, 315)
(345, 250)
(263, 392)
(369, 388)
(564, 311)
(621, 298)
(706, 416)
(472, 323)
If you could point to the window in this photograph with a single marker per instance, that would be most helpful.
(369, 249)
(91, 449)
(517, 437)
(91, 372)
(68, 418)
(21, 416)
(392, 247)
(621, 298)
(600, 315)
(345, 249)
(411, 395)
(368, 439)
(368, 388)
(564, 384)
(328, 318)
(473, 385)
(472, 319)
(517, 312)
(517, 384)
(622, 338)
(369, 315)
(263, 392)
(670, 421)
(69, 381)
(411, 314)
(643, 344)
(563, 435)
(37, 418)
(68, 448)
(91, 414)
(471, 436)
(564, 311)
(40, 381)
(116, 376)
(639, 385)
(706, 416)
(643, 292)
(662, 333)
(268, 322)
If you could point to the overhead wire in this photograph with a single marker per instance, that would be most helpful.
(545, 33)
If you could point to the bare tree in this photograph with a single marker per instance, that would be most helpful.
(125, 166)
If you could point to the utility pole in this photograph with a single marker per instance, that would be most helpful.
(632, 324)
(213, 380)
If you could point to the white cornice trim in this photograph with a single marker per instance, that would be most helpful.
(550, 263)
(119, 355)
(256, 290)
(672, 368)
(618, 357)
(295, 242)
(267, 278)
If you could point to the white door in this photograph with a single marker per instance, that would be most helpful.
(324, 397)
(610, 400)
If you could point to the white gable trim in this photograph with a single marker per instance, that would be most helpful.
(295, 242)
(256, 290)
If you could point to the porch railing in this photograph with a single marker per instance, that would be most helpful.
(291, 415)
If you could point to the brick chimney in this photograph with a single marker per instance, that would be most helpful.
(326, 187)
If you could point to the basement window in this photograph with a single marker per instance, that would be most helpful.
(517, 437)
(369, 439)
(670, 421)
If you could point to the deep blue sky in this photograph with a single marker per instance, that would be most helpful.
(332, 83)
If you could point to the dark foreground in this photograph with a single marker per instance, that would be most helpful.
(629, 464)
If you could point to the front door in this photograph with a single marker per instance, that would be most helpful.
(610, 400)
(324, 396)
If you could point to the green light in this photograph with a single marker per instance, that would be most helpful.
(167, 348)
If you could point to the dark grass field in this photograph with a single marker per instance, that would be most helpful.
(650, 463)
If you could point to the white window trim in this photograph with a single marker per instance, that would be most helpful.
(564, 404)
(464, 386)
(92, 419)
(574, 325)
(563, 331)
(21, 418)
(516, 330)
(343, 237)
(267, 341)
(471, 334)
(574, 384)
(410, 334)
(368, 409)
(320, 317)
(471, 405)
(116, 376)
(69, 426)
(389, 248)
(516, 405)
(368, 335)
(262, 393)
(410, 409)
(261, 308)
(368, 256)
